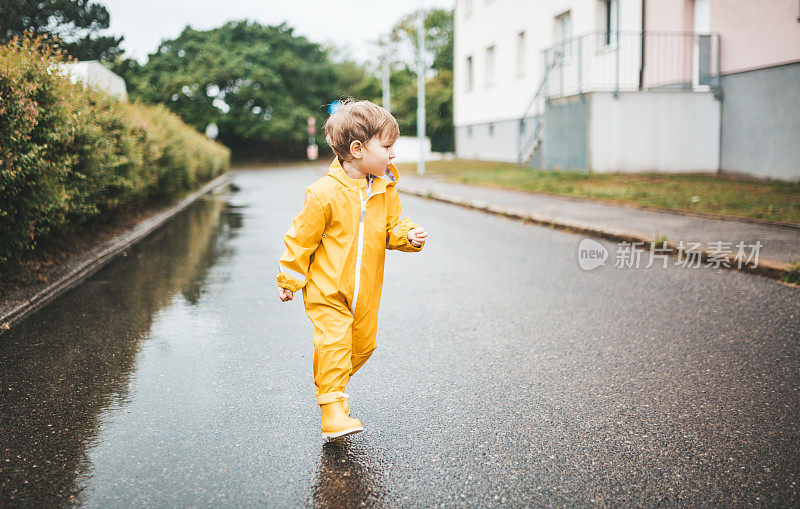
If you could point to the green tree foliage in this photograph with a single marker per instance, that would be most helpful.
(257, 83)
(438, 88)
(70, 156)
(353, 80)
(439, 111)
(438, 38)
(36, 126)
(75, 22)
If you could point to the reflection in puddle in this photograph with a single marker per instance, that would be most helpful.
(344, 478)
(65, 365)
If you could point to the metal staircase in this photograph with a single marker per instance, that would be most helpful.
(530, 142)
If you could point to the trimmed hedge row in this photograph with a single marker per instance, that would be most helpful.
(70, 156)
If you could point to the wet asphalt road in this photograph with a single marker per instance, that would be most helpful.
(504, 375)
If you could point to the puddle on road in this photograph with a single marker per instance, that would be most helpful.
(71, 361)
(346, 473)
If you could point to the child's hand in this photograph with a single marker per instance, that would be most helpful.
(284, 294)
(417, 236)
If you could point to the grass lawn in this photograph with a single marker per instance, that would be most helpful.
(701, 193)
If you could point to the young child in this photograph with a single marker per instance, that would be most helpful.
(335, 251)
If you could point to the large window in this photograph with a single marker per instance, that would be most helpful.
(468, 75)
(562, 38)
(521, 55)
(490, 67)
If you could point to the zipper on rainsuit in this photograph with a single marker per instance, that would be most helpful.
(361, 221)
(363, 215)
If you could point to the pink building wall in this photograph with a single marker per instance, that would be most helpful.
(669, 43)
(756, 34)
(753, 33)
(669, 15)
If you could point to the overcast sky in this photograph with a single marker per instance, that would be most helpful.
(348, 24)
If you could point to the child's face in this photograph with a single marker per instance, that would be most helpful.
(377, 154)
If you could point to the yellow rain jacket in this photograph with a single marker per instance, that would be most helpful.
(335, 252)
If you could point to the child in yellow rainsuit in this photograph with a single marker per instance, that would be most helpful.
(335, 252)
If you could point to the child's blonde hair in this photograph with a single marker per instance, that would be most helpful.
(358, 120)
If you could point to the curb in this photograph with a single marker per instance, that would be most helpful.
(653, 208)
(104, 254)
(769, 268)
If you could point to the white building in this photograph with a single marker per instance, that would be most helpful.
(92, 73)
(562, 84)
(629, 85)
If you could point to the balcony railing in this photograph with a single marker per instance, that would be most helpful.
(630, 60)
(614, 62)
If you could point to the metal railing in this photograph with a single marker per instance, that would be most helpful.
(600, 61)
(616, 62)
(531, 124)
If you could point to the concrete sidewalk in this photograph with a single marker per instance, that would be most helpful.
(779, 250)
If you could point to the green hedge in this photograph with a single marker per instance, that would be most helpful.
(70, 156)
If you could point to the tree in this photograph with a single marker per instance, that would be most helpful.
(75, 22)
(257, 83)
(353, 80)
(438, 88)
(438, 107)
(438, 38)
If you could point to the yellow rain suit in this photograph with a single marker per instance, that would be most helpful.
(335, 252)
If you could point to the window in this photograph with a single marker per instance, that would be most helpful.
(469, 131)
(521, 55)
(562, 38)
(469, 74)
(491, 128)
(610, 25)
(490, 66)
(467, 8)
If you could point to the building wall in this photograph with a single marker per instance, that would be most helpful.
(566, 136)
(753, 34)
(670, 42)
(93, 74)
(756, 34)
(669, 131)
(511, 92)
(669, 15)
(493, 141)
(761, 122)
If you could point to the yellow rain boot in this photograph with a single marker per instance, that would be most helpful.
(335, 422)
(346, 406)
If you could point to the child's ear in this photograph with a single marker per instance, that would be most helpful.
(356, 148)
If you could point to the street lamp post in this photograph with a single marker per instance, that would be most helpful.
(387, 103)
(421, 88)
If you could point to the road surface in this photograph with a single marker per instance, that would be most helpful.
(504, 376)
